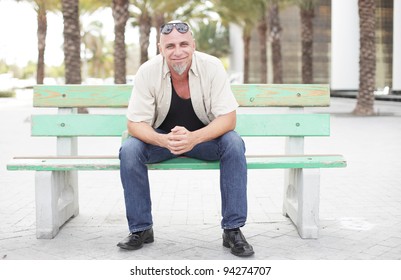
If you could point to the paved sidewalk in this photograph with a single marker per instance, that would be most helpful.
(360, 208)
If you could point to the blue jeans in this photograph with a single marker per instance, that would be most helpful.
(229, 149)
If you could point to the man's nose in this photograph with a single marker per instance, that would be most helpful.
(177, 51)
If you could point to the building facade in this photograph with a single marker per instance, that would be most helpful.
(335, 47)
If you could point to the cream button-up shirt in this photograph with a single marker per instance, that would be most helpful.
(210, 90)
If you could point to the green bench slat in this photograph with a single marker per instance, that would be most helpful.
(283, 125)
(247, 125)
(67, 96)
(282, 95)
(98, 163)
(253, 95)
(78, 125)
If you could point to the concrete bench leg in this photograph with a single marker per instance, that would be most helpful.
(56, 195)
(301, 200)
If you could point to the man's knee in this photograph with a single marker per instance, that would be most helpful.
(132, 149)
(233, 141)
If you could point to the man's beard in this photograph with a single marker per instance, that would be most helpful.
(180, 68)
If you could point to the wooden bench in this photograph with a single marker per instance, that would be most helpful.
(56, 185)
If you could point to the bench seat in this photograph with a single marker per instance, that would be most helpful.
(182, 163)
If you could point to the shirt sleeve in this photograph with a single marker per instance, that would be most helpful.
(223, 99)
(141, 107)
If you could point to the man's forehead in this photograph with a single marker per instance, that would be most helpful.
(175, 38)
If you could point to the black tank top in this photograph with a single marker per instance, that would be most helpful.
(181, 113)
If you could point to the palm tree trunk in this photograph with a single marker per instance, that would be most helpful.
(247, 44)
(262, 30)
(41, 34)
(367, 58)
(145, 23)
(72, 42)
(307, 15)
(159, 20)
(120, 15)
(275, 33)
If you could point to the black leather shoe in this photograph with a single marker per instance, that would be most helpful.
(135, 240)
(235, 240)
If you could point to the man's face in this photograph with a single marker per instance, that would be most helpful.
(177, 49)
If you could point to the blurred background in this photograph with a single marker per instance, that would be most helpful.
(353, 45)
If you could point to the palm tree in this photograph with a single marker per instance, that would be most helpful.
(307, 11)
(98, 53)
(143, 19)
(211, 38)
(262, 31)
(41, 33)
(93, 40)
(42, 7)
(158, 21)
(120, 15)
(367, 58)
(245, 13)
(72, 41)
(275, 38)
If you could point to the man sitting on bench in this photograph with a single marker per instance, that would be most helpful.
(182, 105)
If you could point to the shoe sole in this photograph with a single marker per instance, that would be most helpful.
(227, 245)
(127, 247)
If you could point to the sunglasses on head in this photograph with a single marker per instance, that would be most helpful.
(181, 27)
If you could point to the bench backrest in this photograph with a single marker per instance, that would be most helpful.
(252, 95)
(117, 96)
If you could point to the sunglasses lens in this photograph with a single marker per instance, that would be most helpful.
(181, 27)
(168, 27)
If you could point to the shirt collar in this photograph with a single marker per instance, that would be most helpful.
(194, 67)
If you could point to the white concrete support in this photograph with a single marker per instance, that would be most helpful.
(344, 45)
(301, 201)
(54, 196)
(397, 46)
(57, 191)
(68, 146)
(301, 190)
(293, 146)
